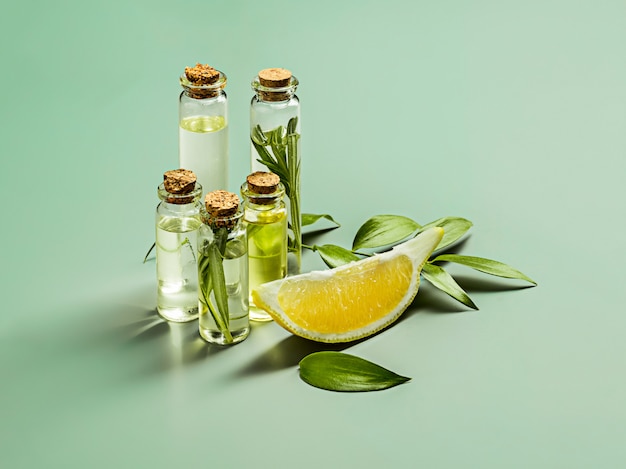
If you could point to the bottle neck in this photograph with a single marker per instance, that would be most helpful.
(205, 91)
(181, 200)
(192, 93)
(231, 223)
(259, 201)
(274, 94)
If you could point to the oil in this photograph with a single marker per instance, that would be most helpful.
(265, 216)
(267, 253)
(177, 276)
(203, 148)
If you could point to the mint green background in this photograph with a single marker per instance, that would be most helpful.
(511, 114)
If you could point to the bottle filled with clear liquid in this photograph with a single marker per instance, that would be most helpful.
(177, 223)
(275, 145)
(265, 217)
(203, 126)
(222, 270)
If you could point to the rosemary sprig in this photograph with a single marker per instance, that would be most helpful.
(211, 280)
(278, 151)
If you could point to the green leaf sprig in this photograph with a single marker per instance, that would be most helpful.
(211, 279)
(382, 232)
(278, 151)
(337, 371)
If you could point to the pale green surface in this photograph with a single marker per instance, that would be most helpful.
(511, 114)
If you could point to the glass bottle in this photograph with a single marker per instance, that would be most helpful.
(177, 223)
(265, 217)
(275, 145)
(203, 126)
(222, 270)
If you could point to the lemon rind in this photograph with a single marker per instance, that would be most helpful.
(417, 249)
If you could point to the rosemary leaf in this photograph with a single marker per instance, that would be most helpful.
(383, 230)
(278, 145)
(148, 253)
(205, 283)
(487, 266)
(264, 155)
(337, 371)
(216, 267)
(444, 282)
(258, 137)
(292, 125)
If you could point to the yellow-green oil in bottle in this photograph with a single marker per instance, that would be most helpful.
(266, 225)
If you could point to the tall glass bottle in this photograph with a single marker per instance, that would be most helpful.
(222, 270)
(203, 126)
(275, 144)
(265, 217)
(177, 223)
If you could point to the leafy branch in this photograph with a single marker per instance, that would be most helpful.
(211, 279)
(278, 151)
(380, 233)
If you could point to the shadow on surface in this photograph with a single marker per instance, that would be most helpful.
(432, 300)
(288, 353)
(148, 343)
(490, 283)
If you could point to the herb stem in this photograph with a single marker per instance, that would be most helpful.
(212, 279)
(278, 150)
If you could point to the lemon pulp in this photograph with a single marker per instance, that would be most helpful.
(353, 301)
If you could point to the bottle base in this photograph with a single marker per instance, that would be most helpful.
(178, 314)
(259, 315)
(216, 337)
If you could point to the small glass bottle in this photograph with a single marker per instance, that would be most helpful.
(203, 126)
(265, 217)
(275, 144)
(222, 270)
(177, 223)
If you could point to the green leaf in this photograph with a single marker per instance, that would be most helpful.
(453, 229)
(334, 256)
(150, 250)
(383, 230)
(337, 371)
(258, 136)
(291, 125)
(310, 218)
(219, 282)
(444, 282)
(487, 266)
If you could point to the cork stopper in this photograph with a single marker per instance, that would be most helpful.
(221, 204)
(274, 84)
(202, 74)
(202, 81)
(262, 182)
(179, 181)
(275, 77)
(179, 187)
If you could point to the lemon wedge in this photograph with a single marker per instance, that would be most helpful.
(351, 301)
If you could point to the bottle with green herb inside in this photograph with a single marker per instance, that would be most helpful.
(275, 144)
(265, 217)
(203, 126)
(222, 270)
(177, 223)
